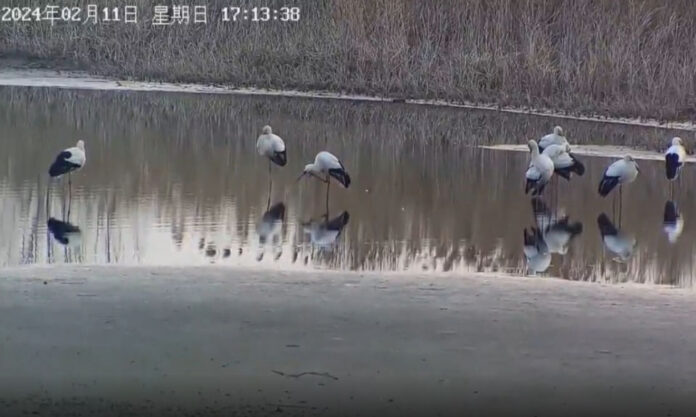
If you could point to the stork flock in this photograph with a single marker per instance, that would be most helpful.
(552, 156)
(325, 167)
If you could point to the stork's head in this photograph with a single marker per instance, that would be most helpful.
(533, 145)
(309, 169)
(81, 145)
(558, 130)
(266, 130)
(677, 141)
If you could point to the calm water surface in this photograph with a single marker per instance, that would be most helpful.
(174, 179)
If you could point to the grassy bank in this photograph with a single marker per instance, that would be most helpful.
(623, 58)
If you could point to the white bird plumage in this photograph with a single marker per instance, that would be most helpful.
(674, 158)
(271, 146)
(623, 171)
(540, 170)
(564, 163)
(554, 138)
(69, 160)
(325, 166)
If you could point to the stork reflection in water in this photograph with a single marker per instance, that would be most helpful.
(324, 232)
(557, 232)
(269, 229)
(616, 241)
(672, 222)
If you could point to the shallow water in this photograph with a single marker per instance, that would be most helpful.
(174, 179)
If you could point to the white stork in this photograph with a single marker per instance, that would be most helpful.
(326, 166)
(674, 159)
(272, 147)
(623, 171)
(555, 138)
(69, 160)
(564, 162)
(539, 172)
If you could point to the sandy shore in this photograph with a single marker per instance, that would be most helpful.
(88, 341)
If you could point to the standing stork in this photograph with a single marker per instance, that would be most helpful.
(272, 147)
(623, 171)
(326, 166)
(674, 160)
(69, 160)
(564, 162)
(539, 172)
(554, 138)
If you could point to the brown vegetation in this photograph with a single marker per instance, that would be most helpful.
(623, 58)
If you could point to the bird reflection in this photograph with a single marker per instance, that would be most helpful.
(615, 241)
(536, 250)
(672, 222)
(269, 230)
(556, 232)
(324, 232)
(65, 233)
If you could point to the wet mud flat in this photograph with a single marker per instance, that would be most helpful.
(84, 341)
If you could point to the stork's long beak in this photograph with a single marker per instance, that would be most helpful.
(300, 177)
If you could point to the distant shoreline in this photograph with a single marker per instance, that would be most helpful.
(72, 79)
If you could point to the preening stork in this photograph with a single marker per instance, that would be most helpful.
(539, 172)
(325, 167)
(68, 161)
(564, 162)
(555, 138)
(272, 147)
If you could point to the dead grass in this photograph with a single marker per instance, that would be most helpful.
(619, 58)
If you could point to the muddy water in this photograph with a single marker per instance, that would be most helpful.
(174, 179)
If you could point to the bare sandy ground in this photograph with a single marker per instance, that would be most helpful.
(11, 75)
(107, 341)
